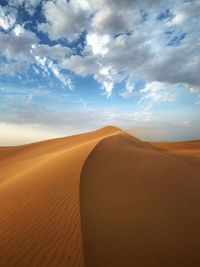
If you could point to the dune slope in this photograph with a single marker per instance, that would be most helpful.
(139, 206)
(133, 203)
(188, 151)
(39, 201)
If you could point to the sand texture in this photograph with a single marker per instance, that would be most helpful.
(39, 201)
(139, 206)
(102, 198)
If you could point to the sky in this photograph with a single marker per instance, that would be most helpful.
(68, 67)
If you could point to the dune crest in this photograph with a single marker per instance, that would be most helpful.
(39, 201)
(139, 206)
(100, 199)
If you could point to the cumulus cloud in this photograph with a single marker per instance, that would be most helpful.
(21, 47)
(141, 39)
(177, 65)
(110, 60)
(98, 43)
(17, 44)
(64, 19)
(157, 41)
(56, 52)
(29, 5)
(82, 66)
(89, 65)
(8, 17)
(108, 21)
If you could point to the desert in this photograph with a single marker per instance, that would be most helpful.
(103, 198)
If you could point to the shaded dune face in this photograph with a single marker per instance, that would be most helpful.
(139, 206)
(39, 201)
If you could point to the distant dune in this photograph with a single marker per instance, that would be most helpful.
(102, 198)
(188, 151)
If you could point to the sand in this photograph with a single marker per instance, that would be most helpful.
(139, 206)
(188, 151)
(39, 201)
(102, 198)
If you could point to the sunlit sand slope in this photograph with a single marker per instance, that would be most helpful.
(39, 201)
(139, 206)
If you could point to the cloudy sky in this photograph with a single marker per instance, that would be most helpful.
(73, 66)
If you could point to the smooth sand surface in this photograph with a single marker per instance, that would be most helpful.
(139, 206)
(103, 199)
(188, 151)
(39, 201)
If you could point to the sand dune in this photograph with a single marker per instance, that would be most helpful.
(103, 199)
(39, 201)
(188, 151)
(139, 206)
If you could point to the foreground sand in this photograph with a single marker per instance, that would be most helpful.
(103, 199)
(39, 201)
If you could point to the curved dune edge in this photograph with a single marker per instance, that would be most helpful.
(39, 201)
(139, 206)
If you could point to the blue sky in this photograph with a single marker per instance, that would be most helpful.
(72, 66)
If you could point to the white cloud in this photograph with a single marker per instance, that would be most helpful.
(7, 17)
(178, 19)
(29, 5)
(193, 89)
(124, 37)
(129, 89)
(18, 30)
(89, 65)
(107, 20)
(82, 66)
(17, 45)
(47, 65)
(98, 43)
(158, 92)
(139, 54)
(23, 47)
(57, 52)
(108, 86)
(107, 77)
(64, 19)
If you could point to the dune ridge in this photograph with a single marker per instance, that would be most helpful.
(100, 199)
(39, 201)
(139, 206)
